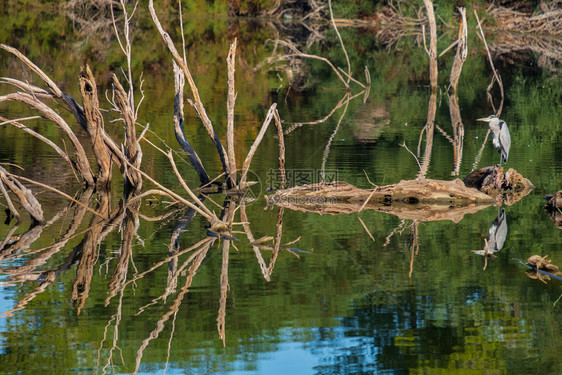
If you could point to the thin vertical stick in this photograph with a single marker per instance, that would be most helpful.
(277, 243)
(479, 155)
(458, 133)
(414, 245)
(230, 60)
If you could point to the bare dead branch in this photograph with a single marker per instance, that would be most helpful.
(257, 141)
(179, 82)
(11, 206)
(197, 104)
(330, 140)
(58, 93)
(59, 193)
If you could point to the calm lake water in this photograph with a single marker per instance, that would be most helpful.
(414, 298)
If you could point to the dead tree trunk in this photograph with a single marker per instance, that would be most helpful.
(95, 128)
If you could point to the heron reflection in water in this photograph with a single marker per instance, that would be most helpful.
(500, 136)
(496, 237)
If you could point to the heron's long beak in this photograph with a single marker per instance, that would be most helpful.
(483, 119)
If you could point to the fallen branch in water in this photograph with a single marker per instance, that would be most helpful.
(423, 200)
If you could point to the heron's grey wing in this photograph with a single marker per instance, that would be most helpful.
(505, 140)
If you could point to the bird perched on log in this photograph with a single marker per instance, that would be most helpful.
(500, 136)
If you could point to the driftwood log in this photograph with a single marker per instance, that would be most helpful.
(422, 200)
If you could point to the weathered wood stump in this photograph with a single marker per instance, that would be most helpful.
(507, 188)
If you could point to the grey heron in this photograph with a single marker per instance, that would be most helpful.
(500, 135)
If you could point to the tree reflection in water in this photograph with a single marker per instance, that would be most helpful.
(85, 259)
